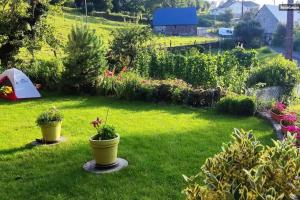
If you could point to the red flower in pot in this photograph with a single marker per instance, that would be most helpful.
(277, 111)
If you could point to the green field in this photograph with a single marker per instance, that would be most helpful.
(103, 27)
(161, 142)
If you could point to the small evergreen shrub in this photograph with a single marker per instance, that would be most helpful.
(245, 169)
(85, 61)
(244, 106)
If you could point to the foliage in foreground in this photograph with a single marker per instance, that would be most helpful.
(85, 61)
(245, 169)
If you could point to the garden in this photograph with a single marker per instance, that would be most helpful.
(123, 119)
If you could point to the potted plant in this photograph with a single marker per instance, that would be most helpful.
(50, 122)
(277, 111)
(104, 144)
(288, 123)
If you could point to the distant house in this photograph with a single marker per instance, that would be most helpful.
(269, 17)
(175, 21)
(236, 8)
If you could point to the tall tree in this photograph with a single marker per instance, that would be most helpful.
(289, 33)
(23, 24)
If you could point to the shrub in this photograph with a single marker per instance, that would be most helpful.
(50, 116)
(128, 43)
(276, 72)
(85, 61)
(249, 33)
(279, 36)
(45, 72)
(244, 106)
(204, 22)
(245, 58)
(245, 169)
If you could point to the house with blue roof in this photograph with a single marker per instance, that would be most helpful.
(175, 21)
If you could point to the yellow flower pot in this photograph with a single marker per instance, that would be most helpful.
(51, 132)
(105, 151)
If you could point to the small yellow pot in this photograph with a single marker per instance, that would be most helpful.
(105, 151)
(51, 132)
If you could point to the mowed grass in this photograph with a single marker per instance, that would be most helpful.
(161, 142)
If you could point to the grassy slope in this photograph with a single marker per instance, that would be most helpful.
(103, 27)
(161, 142)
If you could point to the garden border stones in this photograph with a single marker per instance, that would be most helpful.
(276, 126)
(40, 142)
(91, 167)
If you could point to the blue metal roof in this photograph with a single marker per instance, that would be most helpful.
(175, 16)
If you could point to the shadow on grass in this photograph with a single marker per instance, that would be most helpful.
(16, 150)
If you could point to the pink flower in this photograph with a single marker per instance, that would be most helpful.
(293, 129)
(280, 106)
(290, 118)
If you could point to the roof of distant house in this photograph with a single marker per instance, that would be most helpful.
(246, 4)
(280, 15)
(175, 16)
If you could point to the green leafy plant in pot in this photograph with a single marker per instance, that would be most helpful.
(104, 144)
(50, 122)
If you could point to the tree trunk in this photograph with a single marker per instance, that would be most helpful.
(289, 33)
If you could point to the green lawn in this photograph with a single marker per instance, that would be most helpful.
(161, 142)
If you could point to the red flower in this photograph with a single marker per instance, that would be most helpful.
(96, 123)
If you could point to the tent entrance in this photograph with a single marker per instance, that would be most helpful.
(6, 82)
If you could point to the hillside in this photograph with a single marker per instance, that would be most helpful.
(103, 27)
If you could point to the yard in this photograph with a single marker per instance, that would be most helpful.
(160, 141)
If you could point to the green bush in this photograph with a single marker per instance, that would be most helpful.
(45, 72)
(279, 36)
(243, 106)
(204, 22)
(245, 170)
(276, 72)
(245, 58)
(85, 61)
